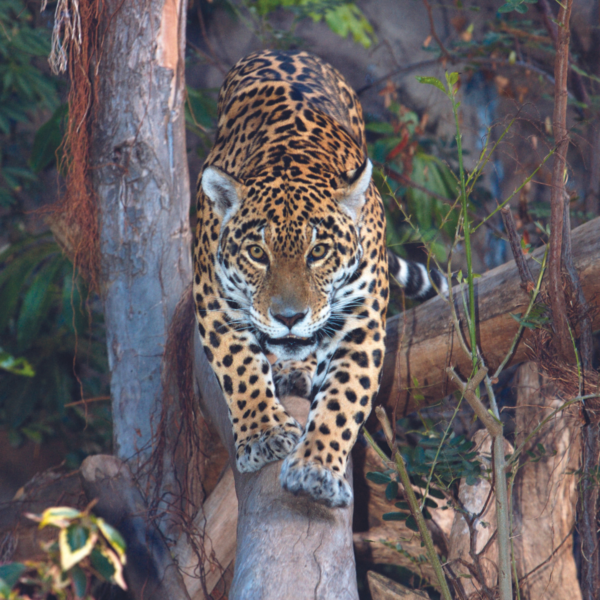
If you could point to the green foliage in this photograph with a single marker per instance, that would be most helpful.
(413, 214)
(537, 318)
(201, 117)
(88, 548)
(519, 6)
(44, 321)
(25, 90)
(343, 18)
(48, 139)
(435, 459)
(18, 366)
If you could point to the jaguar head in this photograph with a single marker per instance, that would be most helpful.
(285, 248)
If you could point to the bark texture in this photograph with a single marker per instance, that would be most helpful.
(473, 546)
(383, 588)
(217, 524)
(427, 343)
(545, 493)
(141, 181)
(287, 547)
(150, 571)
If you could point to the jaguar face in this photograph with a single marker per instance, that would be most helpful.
(283, 269)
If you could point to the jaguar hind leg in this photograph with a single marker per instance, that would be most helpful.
(294, 377)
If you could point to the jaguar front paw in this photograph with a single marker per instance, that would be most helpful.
(293, 378)
(266, 446)
(301, 477)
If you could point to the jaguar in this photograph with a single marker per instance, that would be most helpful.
(291, 268)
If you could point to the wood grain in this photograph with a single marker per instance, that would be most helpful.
(427, 342)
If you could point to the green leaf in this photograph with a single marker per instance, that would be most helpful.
(36, 304)
(379, 478)
(432, 81)
(430, 503)
(48, 139)
(380, 127)
(436, 494)
(11, 572)
(102, 565)
(16, 366)
(452, 78)
(412, 524)
(114, 538)
(79, 580)
(59, 516)
(395, 516)
(75, 543)
(391, 491)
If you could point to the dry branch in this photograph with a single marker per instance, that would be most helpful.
(383, 588)
(427, 344)
(473, 540)
(558, 302)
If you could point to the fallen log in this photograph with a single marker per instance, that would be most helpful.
(422, 341)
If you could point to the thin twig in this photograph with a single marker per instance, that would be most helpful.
(412, 499)
(556, 293)
(468, 390)
(553, 30)
(434, 34)
(515, 245)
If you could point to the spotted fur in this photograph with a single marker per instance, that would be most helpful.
(290, 261)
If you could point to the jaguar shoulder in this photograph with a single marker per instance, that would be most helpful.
(290, 263)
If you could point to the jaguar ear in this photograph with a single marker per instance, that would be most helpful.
(351, 195)
(222, 190)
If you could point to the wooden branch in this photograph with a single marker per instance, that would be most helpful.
(558, 302)
(473, 540)
(427, 344)
(383, 588)
(277, 531)
(216, 525)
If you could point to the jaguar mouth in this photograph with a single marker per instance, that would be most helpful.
(291, 341)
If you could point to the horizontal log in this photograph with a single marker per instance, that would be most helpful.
(421, 343)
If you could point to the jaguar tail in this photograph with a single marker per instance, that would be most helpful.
(415, 280)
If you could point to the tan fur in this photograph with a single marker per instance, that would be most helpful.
(285, 176)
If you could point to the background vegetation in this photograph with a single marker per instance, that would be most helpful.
(53, 366)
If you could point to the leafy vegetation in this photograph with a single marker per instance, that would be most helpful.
(436, 462)
(44, 322)
(87, 549)
(25, 92)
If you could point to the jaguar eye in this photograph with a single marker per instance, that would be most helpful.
(258, 254)
(318, 252)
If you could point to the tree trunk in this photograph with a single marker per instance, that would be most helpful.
(141, 181)
(545, 493)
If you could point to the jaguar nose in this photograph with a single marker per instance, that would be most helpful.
(290, 320)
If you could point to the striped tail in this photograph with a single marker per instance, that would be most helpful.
(413, 277)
